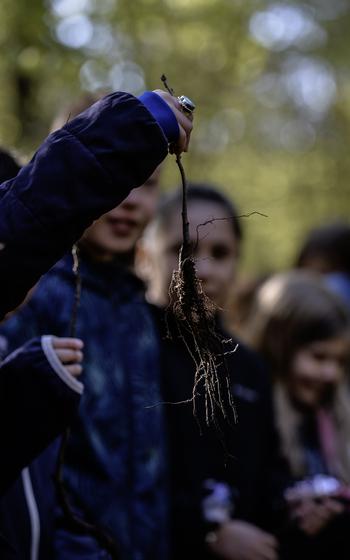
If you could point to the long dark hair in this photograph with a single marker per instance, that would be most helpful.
(203, 192)
(328, 244)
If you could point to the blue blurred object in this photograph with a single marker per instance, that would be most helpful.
(339, 283)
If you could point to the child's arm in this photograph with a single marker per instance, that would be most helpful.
(80, 172)
(39, 394)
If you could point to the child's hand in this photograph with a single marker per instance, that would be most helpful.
(313, 516)
(238, 540)
(69, 352)
(184, 120)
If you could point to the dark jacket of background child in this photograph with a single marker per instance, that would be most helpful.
(243, 456)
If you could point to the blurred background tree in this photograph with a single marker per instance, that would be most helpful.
(271, 81)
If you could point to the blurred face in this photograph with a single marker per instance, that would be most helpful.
(317, 369)
(318, 263)
(215, 254)
(117, 232)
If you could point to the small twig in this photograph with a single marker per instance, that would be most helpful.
(194, 316)
(185, 252)
(166, 85)
(186, 244)
(161, 403)
(212, 220)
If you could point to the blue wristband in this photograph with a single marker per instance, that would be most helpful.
(161, 111)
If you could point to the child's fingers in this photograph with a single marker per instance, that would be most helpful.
(74, 369)
(67, 355)
(333, 506)
(67, 342)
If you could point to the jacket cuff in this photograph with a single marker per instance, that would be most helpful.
(58, 367)
(163, 114)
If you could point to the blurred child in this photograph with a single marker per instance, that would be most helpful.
(302, 331)
(220, 479)
(327, 250)
(90, 167)
(114, 459)
(77, 174)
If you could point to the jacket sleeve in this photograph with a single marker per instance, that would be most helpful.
(80, 172)
(38, 400)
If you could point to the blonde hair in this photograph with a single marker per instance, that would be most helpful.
(288, 421)
(291, 311)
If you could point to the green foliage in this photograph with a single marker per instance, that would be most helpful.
(272, 88)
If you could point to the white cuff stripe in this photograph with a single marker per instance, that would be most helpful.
(33, 514)
(58, 367)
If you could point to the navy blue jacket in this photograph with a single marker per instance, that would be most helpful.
(79, 172)
(57, 396)
(115, 458)
(54, 400)
(28, 509)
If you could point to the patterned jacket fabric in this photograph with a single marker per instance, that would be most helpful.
(115, 470)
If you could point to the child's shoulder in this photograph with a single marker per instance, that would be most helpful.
(60, 274)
